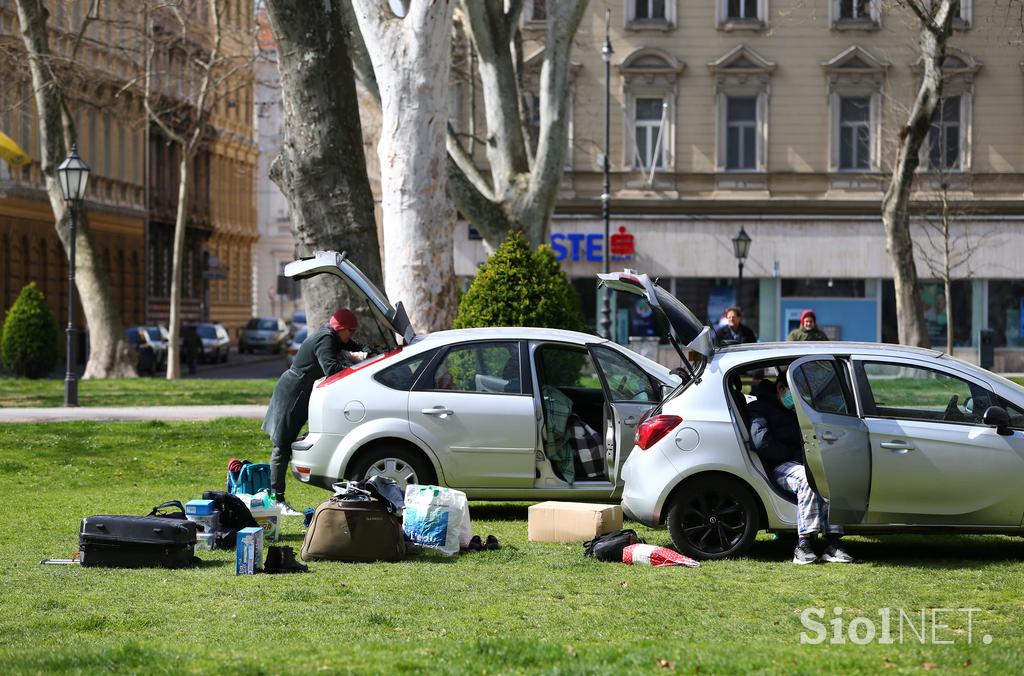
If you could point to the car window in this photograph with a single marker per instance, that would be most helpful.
(401, 376)
(206, 331)
(133, 336)
(479, 367)
(626, 381)
(266, 324)
(818, 384)
(300, 336)
(567, 367)
(154, 333)
(919, 393)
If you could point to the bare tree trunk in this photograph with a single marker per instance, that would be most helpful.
(936, 21)
(110, 356)
(411, 60)
(322, 169)
(177, 265)
(947, 269)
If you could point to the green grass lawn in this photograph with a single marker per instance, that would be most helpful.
(528, 608)
(19, 392)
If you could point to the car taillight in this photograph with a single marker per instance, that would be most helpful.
(650, 431)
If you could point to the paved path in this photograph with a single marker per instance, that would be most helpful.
(101, 413)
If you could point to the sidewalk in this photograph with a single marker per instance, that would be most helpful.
(107, 414)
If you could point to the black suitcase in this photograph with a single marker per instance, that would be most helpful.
(137, 542)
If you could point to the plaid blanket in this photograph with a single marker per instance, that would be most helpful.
(587, 447)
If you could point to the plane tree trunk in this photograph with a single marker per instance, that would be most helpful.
(110, 355)
(411, 57)
(322, 168)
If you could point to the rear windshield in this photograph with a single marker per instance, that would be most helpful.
(154, 333)
(262, 324)
(685, 323)
(206, 331)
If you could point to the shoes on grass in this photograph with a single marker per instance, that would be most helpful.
(492, 543)
(287, 510)
(804, 554)
(834, 554)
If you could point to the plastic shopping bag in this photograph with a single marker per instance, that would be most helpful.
(649, 555)
(436, 517)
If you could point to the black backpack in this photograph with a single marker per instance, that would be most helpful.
(609, 546)
(234, 515)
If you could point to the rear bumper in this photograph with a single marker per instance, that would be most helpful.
(646, 475)
(311, 459)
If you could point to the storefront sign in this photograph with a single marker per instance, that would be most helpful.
(589, 247)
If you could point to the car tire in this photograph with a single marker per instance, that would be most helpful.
(394, 461)
(713, 518)
(224, 357)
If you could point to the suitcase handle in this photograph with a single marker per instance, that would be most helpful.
(169, 503)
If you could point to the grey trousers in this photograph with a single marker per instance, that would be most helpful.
(279, 459)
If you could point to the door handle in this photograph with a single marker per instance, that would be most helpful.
(897, 446)
(439, 411)
(829, 436)
(631, 421)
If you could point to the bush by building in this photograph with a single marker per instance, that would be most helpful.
(28, 339)
(519, 287)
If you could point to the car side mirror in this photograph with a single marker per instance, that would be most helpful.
(996, 416)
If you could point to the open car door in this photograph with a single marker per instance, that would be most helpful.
(837, 447)
(629, 394)
(391, 321)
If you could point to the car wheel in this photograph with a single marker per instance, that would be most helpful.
(224, 357)
(713, 518)
(403, 465)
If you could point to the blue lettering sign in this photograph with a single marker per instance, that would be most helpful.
(595, 242)
(575, 239)
(556, 244)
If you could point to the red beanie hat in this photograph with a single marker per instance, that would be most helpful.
(344, 319)
(806, 314)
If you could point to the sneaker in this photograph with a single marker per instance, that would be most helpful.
(834, 554)
(287, 510)
(803, 554)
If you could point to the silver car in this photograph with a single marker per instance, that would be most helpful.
(898, 439)
(475, 409)
(263, 333)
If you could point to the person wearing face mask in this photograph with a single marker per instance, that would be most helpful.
(775, 433)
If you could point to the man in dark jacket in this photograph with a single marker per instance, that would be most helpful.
(735, 331)
(329, 350)
(775, 433)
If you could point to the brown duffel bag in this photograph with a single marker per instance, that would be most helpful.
(353, 530)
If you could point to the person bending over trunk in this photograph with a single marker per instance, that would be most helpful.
(775, 433)
(325, 352)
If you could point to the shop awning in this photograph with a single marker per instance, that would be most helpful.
(12, 153)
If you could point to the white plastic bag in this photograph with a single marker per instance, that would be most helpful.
(436, 517)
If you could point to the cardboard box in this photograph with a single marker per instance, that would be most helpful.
(249, 551)
(571, 521)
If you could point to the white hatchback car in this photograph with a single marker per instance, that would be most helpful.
(476, 409)
(898, 439)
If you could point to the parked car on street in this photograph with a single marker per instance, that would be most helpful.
(150, 347)
(295, 343)
(263, 333)
(898, 439)
(298, 322)
(216, 343)
(490, 411)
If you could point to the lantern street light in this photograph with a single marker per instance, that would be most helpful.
(606, 192)
(73, 175)
(740, 248)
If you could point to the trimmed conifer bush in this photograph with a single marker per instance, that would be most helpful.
(28, 340)
(519, 287)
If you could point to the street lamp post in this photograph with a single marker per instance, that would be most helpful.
(740, 248)
(73, 175)
(606, 192)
